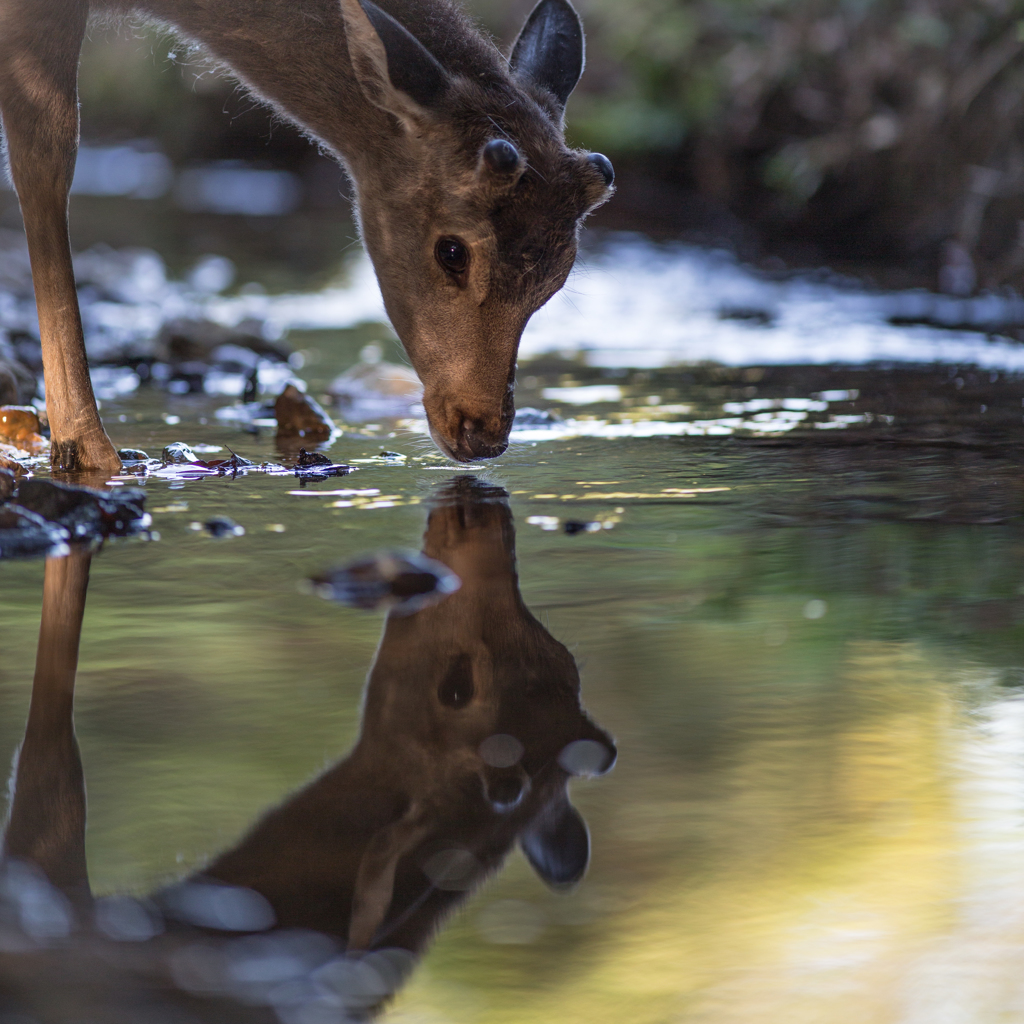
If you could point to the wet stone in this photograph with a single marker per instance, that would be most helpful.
(311, 459)
(374, 388)
(8, 485)
(573, 526)
(231, 465)
(316, 466)
(320, 472)
(132, 455)
(404, 581)
(222, 526)
(20, 425)
(86, 513)
(298, 414)
(179, 454)
(24, 534)
(530, 417)
(198, 341)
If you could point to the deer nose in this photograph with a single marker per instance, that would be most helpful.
(476, 441)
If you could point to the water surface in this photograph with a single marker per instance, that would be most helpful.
(805, 640)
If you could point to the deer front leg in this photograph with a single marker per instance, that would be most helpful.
(46, 826)
(40, 42)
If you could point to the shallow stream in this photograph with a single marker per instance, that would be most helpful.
(795, 594)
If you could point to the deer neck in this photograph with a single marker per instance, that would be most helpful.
(291, 54)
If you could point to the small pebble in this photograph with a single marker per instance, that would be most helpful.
(179, 453)
(222, 526)
(572, 526)
(403, 581)
(132, 455)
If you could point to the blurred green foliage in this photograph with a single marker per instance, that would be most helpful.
(864, 115)
(894, 125)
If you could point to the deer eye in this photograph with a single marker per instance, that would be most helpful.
(452, 255)
(456, 689)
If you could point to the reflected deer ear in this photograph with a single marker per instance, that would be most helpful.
(549, 51)
(557, 844)
(395, 70)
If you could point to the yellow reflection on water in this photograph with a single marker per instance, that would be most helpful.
(870, 868)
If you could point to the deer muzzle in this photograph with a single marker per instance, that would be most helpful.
(467, 431)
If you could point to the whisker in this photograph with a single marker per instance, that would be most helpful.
(530, 167)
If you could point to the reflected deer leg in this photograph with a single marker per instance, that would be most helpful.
(39, 50)
(47, 819)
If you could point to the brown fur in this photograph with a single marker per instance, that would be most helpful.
(346, 854)
(416, 170)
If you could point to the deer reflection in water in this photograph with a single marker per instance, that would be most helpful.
(471, 729)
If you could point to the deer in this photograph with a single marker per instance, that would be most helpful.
(471, 730)
(467, 198)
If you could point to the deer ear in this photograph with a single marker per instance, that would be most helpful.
(395, 70)
(549, 51)
(557, 844)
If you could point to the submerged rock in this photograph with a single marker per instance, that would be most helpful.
(25, 534)
(298, 414)
(402, 581)
(222, 526)
(85, 513)
(572, 526)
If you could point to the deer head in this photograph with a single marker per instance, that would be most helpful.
(470, 203)
(472, 728)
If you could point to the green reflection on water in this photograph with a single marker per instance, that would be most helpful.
(817, 805)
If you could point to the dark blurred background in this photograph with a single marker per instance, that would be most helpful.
(879, 136)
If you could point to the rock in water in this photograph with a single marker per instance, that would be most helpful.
(222, 526)
(373, 389)
(187, 340)
(8, 484)
(88, 515)
(179, 454)
(404, 581)
(299, 415)
(23, 534)
(311, 459)
(19, 424)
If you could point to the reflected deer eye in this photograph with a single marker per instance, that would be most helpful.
(456, 689)
(452, 255)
